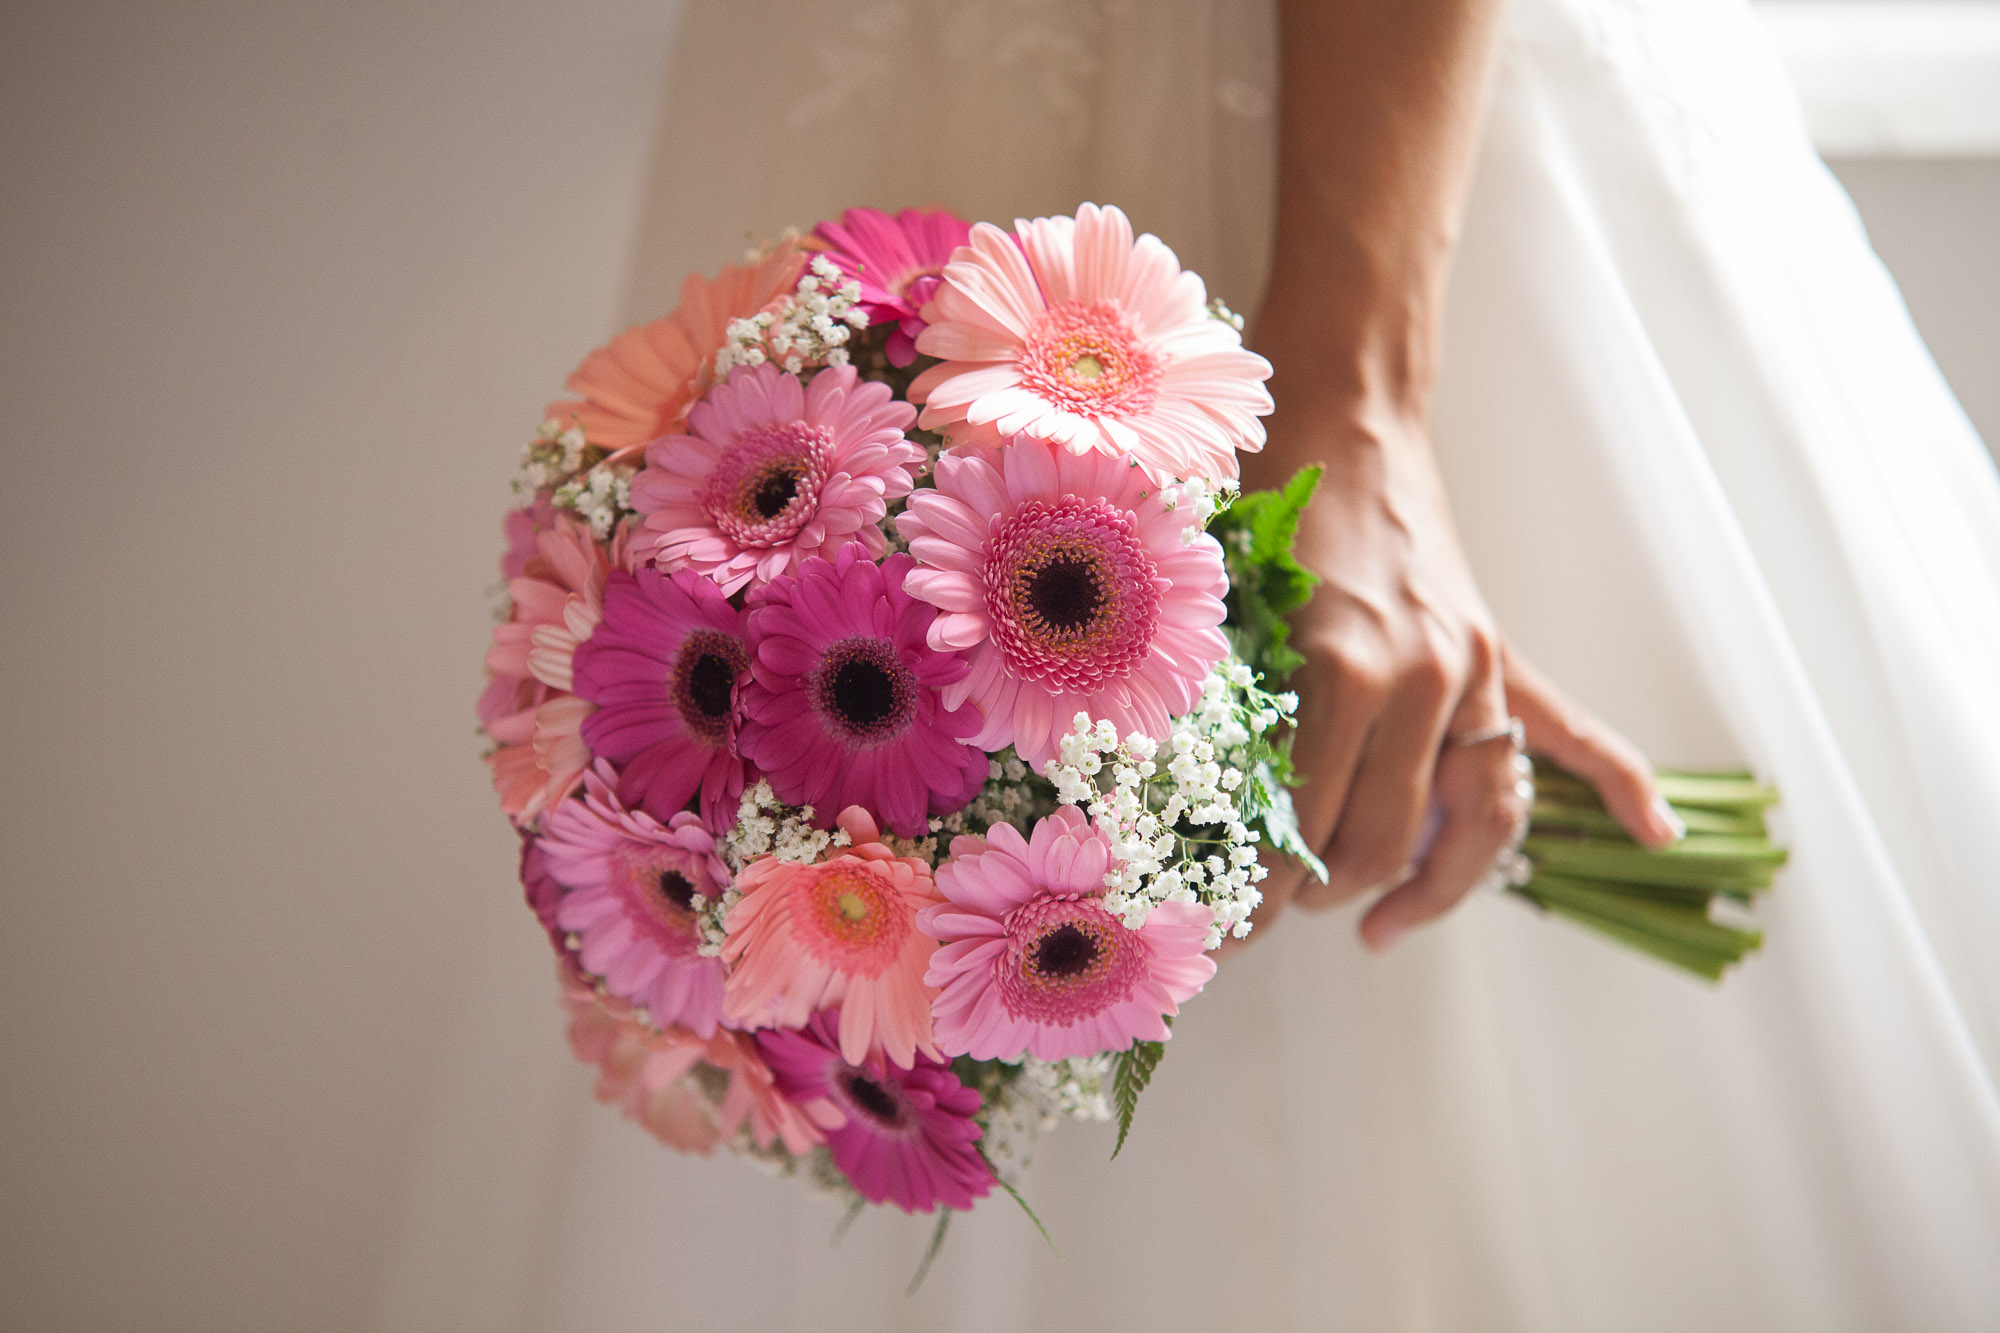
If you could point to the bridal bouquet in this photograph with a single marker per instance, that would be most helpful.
(888, 698)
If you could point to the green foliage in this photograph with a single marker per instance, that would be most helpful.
(1015, 1195)
(1281, 822)
(1129, 1077)
(930, 1254)
(1266, 581)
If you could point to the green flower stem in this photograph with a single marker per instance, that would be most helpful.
(1680, 934)
(1656, 900)
(1558, 816)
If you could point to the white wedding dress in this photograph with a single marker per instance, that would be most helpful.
(1709, 479)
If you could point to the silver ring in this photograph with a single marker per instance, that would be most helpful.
(1512, 729)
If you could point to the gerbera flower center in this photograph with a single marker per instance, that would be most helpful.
(1067, 959)
(766, 487)
(872, 1099)
(917, 286)
(864, 688)
(676, 890)
(1065, 952)
(1066, 592)
(660, 897)
(704, 683)
(1071, 592)
(776, 492)
(1091, 359)
(850, 918)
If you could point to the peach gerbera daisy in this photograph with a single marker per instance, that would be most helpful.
(639, 386)
(840, 934)
(1083, 336)
(648, 1075)
(529, 705)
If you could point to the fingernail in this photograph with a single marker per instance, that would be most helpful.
(1667, 819)
(1384, 938)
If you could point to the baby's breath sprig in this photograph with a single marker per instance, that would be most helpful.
(600, 497)
(810, 327)
(765, 826)
(1178, 816)
(1012, 795)
(557, 453)
(1218, 309)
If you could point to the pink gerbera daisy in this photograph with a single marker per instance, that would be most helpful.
(648, 1075)
(773, 470)
(839, 933)
(663, 669)
(631, 882)
(842, 707)
(1071, 585)
(897, 262)
(902, 1136)
(1030, 963)
(1086, 337)
(638, 387)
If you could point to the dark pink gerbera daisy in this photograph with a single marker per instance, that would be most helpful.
(663, 668)
(543, 894)
(842, 704)
(897, 262)
(902, 1136)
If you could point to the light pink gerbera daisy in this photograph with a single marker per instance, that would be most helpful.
(646, 1074)
(897, 262)
(773, 470)
(1030, 963)
(557, 598)
(663, 668)
(1093, 340)
(902, 1136)
(1071, 586)
(631, 882)
(842, 706)
(840, 933)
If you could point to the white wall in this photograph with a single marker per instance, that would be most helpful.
(1936, 223)
(284, 287)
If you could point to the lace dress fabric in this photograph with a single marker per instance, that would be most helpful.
(1708, 477)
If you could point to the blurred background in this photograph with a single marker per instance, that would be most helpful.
(285, 287)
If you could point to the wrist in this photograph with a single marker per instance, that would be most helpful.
(1336, 355)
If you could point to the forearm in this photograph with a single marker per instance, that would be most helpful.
(1380, 107)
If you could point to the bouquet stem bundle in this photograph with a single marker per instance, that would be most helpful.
(1671, 903)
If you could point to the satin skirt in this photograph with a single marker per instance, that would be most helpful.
(1709, 479)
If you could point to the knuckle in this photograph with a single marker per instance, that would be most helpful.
(1366, 866)
(1359, 674)
(1432, 674)
(1482, 651)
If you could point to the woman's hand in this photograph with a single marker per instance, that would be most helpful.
(1377, 121)
(1403, 657)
